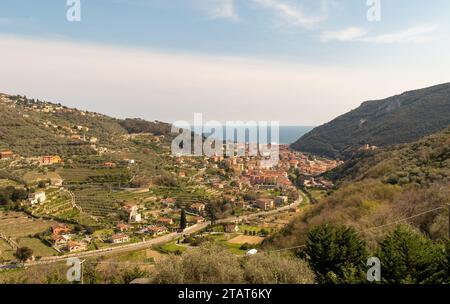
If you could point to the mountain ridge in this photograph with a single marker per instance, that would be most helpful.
(399, 119)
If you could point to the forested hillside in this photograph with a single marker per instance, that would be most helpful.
(378, 190)
(396, 120)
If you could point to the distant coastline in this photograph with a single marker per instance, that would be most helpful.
(288, 134)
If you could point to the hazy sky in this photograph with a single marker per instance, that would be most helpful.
(301, 62)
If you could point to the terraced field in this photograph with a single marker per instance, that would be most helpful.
(96, 200)
(17, 225)
(60, 207)
(35, 176)
(7, 182)
(6, 251)
(58, 201)
(88, 175)
(126, 196)
(186, 195)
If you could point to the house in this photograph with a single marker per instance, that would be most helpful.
(50, 160)
(368, 147)
(281, 200)
(59, 239)
(169, 201)
(93, 140)
(75, 246)
(60, 229)
(293, 163)
(155, 230)
(198, 207)
(109, 165)
(231, 228)
(165, 221)
(37, 198)
(6, 155)
(123, 227)
(198, 219)
(120, 238)
(133, 213)
(265, 204)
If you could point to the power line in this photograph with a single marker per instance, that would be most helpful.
(119, 263)
(289, 248)
(405, 219)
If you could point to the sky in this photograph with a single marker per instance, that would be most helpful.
(299, 62)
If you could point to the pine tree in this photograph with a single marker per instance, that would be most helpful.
(336, 255)
(183, 222)
(408, 257)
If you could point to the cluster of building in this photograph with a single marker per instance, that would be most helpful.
(317, 183)
(45, 160)
(6, 155)
(368, 147)
(306, 164)
(63, 240)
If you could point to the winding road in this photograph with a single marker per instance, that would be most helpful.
(162, 239)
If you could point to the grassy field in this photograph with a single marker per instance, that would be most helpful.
(246, 239)
(39, 249)
(224, 240)
(171, 247)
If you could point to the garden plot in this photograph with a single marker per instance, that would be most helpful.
(246, 239)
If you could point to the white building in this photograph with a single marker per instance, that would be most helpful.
(37, 198)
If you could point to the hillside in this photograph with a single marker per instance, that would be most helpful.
(399, 119)
(380, 187)
(31, 127)
(421, 163)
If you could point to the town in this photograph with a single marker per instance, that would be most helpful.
(107, 197)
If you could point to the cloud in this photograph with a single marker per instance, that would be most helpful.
(219, 9)
(418, 34)
(128, 82)
(290, 14)
(348, 34)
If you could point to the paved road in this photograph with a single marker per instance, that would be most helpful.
(160, 240)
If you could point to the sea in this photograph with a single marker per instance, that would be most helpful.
(287, 135)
